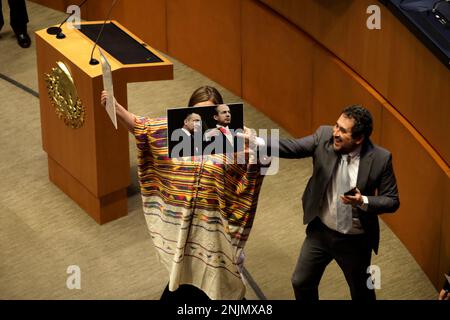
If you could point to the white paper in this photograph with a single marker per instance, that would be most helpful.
(108, 86)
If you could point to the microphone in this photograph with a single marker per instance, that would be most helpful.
(94, 61)
(58, 30)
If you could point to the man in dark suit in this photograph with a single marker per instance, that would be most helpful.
(222, 137)
(342, 227)
(185, 137)
(18, 21)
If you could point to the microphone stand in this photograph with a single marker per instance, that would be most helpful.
(58, 30)
(94, 61)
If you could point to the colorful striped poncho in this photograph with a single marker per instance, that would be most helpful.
(199, 213)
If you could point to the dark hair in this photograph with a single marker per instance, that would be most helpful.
(217, 111)
(363, 120)
(189, 114)
(205, 93)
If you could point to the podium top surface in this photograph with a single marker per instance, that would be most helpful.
(119, 44)
(125, 51)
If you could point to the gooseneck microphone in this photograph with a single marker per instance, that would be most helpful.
(58, 30)
(94, 61)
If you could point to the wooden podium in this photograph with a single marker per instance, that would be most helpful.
(91, 163)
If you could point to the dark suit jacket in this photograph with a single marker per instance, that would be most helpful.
(376, 178)
(187, 143)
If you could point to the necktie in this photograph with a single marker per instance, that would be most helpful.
(343, 211)
(223, 130)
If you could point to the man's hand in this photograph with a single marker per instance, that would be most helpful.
(252, 143)
(355, 200)
(249, 136)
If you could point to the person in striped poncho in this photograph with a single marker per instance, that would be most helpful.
(199, 212)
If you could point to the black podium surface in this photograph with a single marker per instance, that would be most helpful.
(418, 17)
(119, 44)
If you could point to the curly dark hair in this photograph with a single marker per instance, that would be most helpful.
(363, 120)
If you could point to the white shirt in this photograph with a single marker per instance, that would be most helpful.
(186, 131)
(329, 211)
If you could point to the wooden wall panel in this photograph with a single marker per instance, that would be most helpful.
(146, 19)
(419, 87)
(340, 26)
(335, 87)
(422, 196)
(277, 68)
(392, 60)
(205, 35)
(444, 265)
(98, 10)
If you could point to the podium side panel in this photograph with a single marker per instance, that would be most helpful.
(91, 163)
(74, 149)
(112, 148)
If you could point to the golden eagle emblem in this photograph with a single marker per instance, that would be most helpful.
(63, 95)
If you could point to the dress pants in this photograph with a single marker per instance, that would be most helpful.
(18, 15)
(351, 252)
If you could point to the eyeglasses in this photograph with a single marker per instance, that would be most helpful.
(440, 9)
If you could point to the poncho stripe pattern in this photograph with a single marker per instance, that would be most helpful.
(199, 213)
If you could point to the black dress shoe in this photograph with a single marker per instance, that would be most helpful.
(23, 39)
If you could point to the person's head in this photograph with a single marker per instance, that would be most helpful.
(192, 122)
(205, 96)
(223, 115)
(353, 127)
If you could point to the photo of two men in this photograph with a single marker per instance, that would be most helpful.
(197, 131)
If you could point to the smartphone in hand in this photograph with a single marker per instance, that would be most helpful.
(350, 192)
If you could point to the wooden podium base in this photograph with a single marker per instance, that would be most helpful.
(104, 209)
(90, 163)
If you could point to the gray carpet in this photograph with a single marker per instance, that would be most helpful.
(43, 232)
